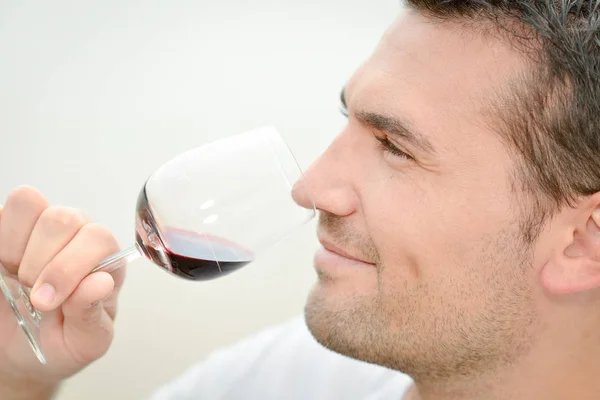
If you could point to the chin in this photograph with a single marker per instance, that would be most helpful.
(342, 321)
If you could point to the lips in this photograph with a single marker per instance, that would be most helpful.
(329, 246)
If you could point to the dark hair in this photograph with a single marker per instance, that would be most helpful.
(552, 117)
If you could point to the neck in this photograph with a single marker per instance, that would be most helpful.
(562, 366)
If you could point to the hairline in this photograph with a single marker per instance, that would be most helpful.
(503, 110)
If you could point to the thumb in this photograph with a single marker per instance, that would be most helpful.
(88, 329)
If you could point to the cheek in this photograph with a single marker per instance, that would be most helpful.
(423, 233)
(400, 234)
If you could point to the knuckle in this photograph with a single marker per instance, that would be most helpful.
(27, 276)
(10, 258)
(112, 310)
(92, 317)
(61, 272)
(100, 235)
(65, 275)
(62, 218)
(26, 194)
(22, 209)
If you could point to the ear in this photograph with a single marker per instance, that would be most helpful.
(575, 266)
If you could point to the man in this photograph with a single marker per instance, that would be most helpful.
(459, 217)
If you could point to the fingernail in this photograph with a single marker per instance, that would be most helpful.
(44, 295)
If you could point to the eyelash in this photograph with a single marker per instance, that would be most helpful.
(389, 147)
(344, 111)
(385, 143)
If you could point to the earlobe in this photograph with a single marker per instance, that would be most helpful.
(572, 277)
(575, 267)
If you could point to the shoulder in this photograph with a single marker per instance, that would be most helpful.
(284, 361)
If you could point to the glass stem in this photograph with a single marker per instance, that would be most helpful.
(120, 259)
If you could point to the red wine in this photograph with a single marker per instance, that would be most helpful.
(202, 257)
(189, 255)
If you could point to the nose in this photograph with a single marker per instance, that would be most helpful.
(328, 183)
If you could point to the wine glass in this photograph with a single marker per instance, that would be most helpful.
(201, 216)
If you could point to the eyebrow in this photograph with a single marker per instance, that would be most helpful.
(393, 126)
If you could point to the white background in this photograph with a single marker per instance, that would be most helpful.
(95, 95)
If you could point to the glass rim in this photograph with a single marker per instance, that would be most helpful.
(296, 164)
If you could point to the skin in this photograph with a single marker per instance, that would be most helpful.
(447, 290)
(451, 295)
(59, 246)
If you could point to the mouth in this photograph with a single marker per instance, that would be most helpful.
(331, 255)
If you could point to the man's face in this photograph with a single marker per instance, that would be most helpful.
(446, 282)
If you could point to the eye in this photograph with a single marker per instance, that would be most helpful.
(390, 148)
(344, 111)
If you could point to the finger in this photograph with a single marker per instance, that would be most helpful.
(21, 211)
(88, 329)
(54, 229)
(63, 274)
(110, 303)
(92, 290)
(4, 306)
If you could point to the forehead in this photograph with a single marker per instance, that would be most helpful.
(443, 76)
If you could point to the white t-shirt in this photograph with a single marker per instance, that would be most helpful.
(284, 363)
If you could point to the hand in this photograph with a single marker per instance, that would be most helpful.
(53, 250)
